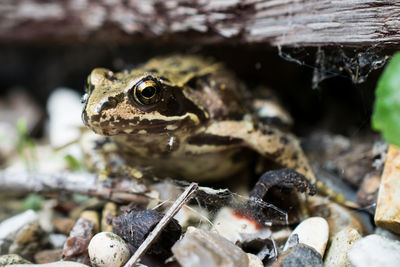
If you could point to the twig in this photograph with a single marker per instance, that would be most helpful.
(116, 189)
(186, 196)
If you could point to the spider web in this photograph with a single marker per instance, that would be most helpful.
(356, 64)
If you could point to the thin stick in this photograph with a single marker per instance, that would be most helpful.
(186, 196)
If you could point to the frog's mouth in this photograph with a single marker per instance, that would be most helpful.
(139, 126)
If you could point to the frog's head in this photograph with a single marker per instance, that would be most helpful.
(138, 102)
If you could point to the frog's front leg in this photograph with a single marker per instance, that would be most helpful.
(270, 142)
(102, 156)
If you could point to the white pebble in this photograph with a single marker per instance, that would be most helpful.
(53, 264)
(313, 232)
(254, 261)
(232, 226)
(108, 249)
(375, 250)
(340, 246)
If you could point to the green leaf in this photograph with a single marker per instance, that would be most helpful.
(386, 115)
(73, 163)
(33, 202)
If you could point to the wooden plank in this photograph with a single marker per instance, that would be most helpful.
(274, 22)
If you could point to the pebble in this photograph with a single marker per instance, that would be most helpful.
(49, 255)
(254, 261)
(341, 243)
(368, 191)
(190, 215)
(108, 249)
(387, 234)
(21, 234)
(313, 232)
(92, 216)
(12, 259)
(231, 225)
(203, 248)
(387, 213)
(376, 250)
(63, 225)
(75, 248)
(338, 217)
(109, 211)
(10, 227)
(53, 264)
(300, 255)
(57, 240)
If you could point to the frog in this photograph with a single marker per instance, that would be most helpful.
(189, 117)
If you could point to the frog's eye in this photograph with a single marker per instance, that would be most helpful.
(147, 91)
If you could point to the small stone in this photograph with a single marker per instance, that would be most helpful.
(9, 228)
(231, 224)
(254, 261)
(387, 213)
(341, 244)
(46, 256)
(11, 259)
(387, 234)
(75, 248)
(376, 250)
(57, 240)
(108, 249)
(109, 211)
(261, 244)
(92, 216)
(190, 215)
(368, 191)
(313, 232)
(21, 234)
(300, 255)
(203, 248)
(54, 264)
(63, 225)
(338, 217)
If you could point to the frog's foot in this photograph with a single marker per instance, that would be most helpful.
(102, 156)
(284, 180)
(270, 142)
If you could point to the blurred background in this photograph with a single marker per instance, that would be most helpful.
(45, 45)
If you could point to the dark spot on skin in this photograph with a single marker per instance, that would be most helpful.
(152, 70)
(216, 140)
(95, 118)
(267, 131)
(112, 102)
(283, 140)
(193, 69)
(104, 123)
(199, 82)
(184, 72)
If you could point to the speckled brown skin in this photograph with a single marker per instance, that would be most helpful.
(200, 126)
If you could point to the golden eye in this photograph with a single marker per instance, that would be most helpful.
(147, 91)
